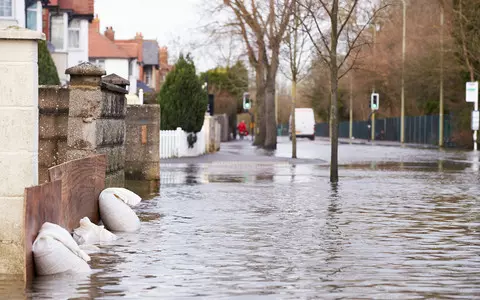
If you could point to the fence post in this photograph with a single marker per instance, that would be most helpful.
(179, 142)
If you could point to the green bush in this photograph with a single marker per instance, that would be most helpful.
(182, 99)
(47, 72)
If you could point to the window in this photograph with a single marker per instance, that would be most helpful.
(74, 35)
(148, 76)
(6, 8)
(32, 17)
(58, 32)
(98, 62)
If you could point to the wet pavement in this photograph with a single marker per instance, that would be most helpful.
(402, 223)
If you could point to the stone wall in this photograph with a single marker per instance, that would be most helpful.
(97, 120)
(224, 124)
(53, 128)
(142, 161)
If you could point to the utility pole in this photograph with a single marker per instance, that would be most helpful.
(350, 135)
(402, 114)
(372, 133)
(440, 125)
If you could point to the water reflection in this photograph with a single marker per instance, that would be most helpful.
(284, 232)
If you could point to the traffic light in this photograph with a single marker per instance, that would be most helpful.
(374, 101)
(211, 104)
(246, 101)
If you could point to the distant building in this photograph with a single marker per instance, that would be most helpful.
(65, 23)
(152, 60)
(106, 54)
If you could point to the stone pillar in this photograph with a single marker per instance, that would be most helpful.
(85, 110)
(142, 161)
(18, 139)
(96, 123)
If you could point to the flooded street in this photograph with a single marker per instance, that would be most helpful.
(402, 223)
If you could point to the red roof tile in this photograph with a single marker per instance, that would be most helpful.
(101, 47)
(130, 48)
(83, 7)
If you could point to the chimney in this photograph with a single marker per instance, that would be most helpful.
(110, 34)
(96, 24)
(139, 36)
(163, 56)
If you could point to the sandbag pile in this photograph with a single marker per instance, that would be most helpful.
(115, 210)
(55, 251)
(89, 233)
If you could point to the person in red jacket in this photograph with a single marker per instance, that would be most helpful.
(242, 129)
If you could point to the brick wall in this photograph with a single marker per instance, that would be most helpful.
(53, 128)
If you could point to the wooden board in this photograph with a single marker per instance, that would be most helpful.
(43, 203)
(82, 182)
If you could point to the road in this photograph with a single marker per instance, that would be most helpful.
(249, 224)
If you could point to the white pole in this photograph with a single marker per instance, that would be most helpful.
(141, 96)
(475, 132)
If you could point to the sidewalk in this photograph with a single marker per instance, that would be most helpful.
(379, 143)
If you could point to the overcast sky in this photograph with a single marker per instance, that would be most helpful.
(176, 24)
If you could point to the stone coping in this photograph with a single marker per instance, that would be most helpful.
(20, 33)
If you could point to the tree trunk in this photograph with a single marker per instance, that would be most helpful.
(260, 108)
(293, 128)
(271, 123)
(334, 89)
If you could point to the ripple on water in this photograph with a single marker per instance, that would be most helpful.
(283, 232)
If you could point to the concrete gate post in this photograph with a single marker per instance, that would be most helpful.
(18, 138)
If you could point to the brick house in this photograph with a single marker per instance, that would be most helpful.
(65, 24)
(105, 53)
(152, 60)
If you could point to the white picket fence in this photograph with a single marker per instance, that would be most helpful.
(173, 143)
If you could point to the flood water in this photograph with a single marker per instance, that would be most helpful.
(406, 227)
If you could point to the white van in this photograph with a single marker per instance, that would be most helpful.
(304, 123)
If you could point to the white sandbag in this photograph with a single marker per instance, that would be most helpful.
(116, 215)
(89, 233)
(125, 195)
(55, 251)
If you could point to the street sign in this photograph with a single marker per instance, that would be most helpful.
(472, 91)
(374, 101)
(475, 120)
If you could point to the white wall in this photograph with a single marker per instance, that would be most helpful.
(81, 55)
(19, 12)
(61, 60)
(117, 66)
(135, 68)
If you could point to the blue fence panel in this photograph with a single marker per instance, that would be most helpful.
(418, 130)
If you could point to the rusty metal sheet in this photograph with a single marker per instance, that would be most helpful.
(82, 182)
(43, 203)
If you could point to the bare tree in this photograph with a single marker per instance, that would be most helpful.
(297, 56)
(262, 25)
(467, 28)
(338, 38)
